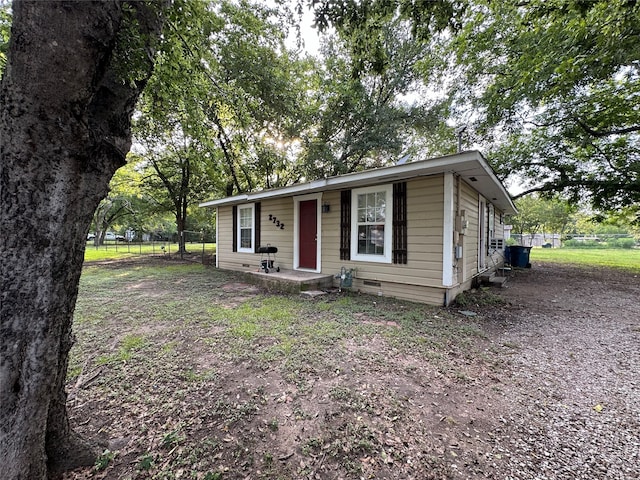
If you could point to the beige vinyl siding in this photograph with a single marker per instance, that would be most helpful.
(419, 280)
(499, 229)
(282, 209)
(224, 233)
(424, 238)
(461, 287)
(469, 203)
(413, 293)
(330, 225)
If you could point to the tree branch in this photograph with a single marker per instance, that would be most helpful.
(606, 133)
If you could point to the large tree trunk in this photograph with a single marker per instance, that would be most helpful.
(74, 73)
(182, 246)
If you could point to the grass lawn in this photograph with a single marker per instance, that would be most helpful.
(624, 259)
(113, 250)
(194, 374)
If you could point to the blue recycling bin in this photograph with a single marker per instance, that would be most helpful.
(519, 256)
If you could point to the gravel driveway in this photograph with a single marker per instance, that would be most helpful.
(571, 389)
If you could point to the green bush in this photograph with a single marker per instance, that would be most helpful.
(583, 244)
(625, 242)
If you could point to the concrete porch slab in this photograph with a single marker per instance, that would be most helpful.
(290, 281)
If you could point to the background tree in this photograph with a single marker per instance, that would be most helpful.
(110, 210)
(175, 176)
(221, 104)
(542, 215)
(362, 22)
(243, 91)
(5, 33)
(612, 224)
(553, 89)
(123, 203)
(259, 98)
(549, 89)
(364, 120)
(73, 73)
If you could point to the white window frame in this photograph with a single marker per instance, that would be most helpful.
(388, 224)
(492, 222)
(483, 230)
(251, 249)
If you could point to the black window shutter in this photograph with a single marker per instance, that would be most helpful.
(234, 227)
(256, 226)
(345, 225)
(399, 249)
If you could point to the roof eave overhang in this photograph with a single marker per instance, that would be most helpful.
(470, 166)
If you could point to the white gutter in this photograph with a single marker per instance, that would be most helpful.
(214, 203)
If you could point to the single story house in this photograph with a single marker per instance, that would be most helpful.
(421, 231)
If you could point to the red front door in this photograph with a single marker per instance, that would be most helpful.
(308, 234)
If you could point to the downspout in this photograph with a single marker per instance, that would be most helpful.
(447, 298)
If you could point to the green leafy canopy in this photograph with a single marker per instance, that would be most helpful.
(555, 90)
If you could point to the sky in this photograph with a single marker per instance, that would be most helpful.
(310, 36)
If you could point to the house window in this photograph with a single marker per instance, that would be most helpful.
(371, 210)
(492, 221)
(246, 228)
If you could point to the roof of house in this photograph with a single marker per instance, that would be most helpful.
(470, 166)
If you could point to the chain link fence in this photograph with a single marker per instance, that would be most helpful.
(198, 246)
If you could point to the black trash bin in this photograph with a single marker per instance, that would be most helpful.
(520, 256)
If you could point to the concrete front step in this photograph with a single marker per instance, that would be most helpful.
(493, 280)
(498, 281)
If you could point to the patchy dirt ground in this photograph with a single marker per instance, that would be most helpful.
(543, 385)
(571, 392)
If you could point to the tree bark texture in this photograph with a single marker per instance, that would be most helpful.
(75, 70)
